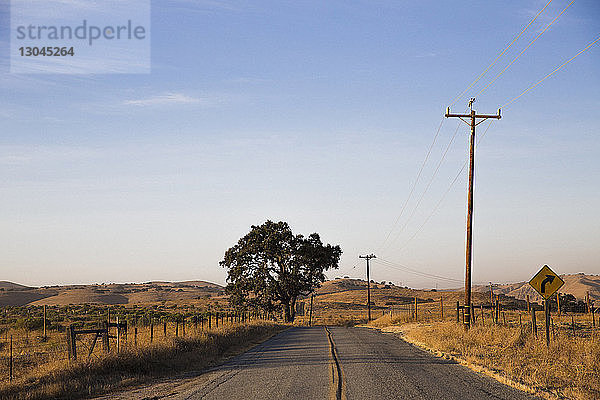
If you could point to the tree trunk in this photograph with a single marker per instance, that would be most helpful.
(289, 312)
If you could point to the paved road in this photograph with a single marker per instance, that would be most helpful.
(342, 363)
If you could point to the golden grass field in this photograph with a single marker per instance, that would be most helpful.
(49, 374)
(568, 368)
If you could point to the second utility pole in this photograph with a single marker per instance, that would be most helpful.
(472, 122)
(368, 257)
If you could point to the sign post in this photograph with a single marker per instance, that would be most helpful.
(546, 282)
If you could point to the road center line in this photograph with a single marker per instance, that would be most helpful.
(338, 391)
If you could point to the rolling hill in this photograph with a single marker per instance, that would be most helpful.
(125, 293)
(576, 284)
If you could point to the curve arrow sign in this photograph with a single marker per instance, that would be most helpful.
(548, 279)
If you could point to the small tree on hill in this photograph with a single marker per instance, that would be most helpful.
(270, 267)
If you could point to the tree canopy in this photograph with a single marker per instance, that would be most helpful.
(270, 267)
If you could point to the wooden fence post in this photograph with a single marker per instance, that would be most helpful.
(497, 318)
(71, 343)
(528, 305)
(177, 327)
(416, 312)
(520, 322)
(135, 336)
(164, 329)
(457, 312)
(105, 342)
(209, 321)
(217, 319)
(10, 362)
(442, 308)
(573, 325)
(533, 322)
(151, 332)
(45, 336)
(587, 302)
(183, 326)
(558, 303)
(118, 336)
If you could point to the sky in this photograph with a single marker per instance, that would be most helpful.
(320, 114)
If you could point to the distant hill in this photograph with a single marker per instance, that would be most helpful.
(114, 293)
(576, 284)
(11, 286)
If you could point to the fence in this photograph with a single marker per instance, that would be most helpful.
(55, 345)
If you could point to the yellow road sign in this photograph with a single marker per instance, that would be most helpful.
(546, 282)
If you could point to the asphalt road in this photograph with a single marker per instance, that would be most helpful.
(335, 363)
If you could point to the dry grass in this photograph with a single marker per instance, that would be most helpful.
(137, 364)
(569, 368)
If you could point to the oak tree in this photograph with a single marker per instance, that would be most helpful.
(270, 267)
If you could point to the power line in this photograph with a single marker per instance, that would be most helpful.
(414, 185)
(439, 203)
(523, 51)
(500, 55)
(404, 268)
(397, 220)
(428, 185)
(551, 73)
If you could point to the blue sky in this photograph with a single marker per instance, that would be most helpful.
(317, 113)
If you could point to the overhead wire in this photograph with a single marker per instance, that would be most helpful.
(498, 76)
(428, 184)
(551, 73)
(500, 55)
(398, 266)
(414, 184)
(397, 220)
(525, 49)
(439, 203)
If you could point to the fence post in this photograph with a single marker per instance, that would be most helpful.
(416, 311)
(177, 327)
(573, 325)
(528, 304)
(118, 336)
(45, 337)
(457, 312)
(105, 342)
(165, 328)
(183, 325)
(217, 319)
(442, 308)
(497, 318)
(533, 322)
(71, 343)
(10, 362)
(151, 332)
(135, 336)
(209, 321)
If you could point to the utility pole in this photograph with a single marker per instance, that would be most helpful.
(368, 257)
(471, 120)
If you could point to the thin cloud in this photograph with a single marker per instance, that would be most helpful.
(164, 99)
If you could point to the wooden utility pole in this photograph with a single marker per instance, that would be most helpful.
(472, 122)
(368, 257)
(312, 296)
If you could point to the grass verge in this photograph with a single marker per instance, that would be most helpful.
(568, 368)
(137, 365)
